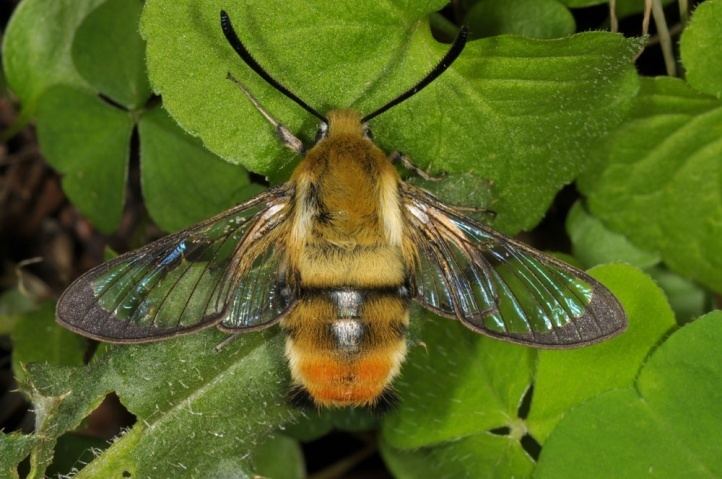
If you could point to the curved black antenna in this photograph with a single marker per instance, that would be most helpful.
(246, 56)
(445, 63)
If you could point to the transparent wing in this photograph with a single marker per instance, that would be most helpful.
(500, 287)
(259, 294)
(185, 281)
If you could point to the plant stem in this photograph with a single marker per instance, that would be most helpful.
(683, 11)
(613, 20)
(673, 31)
(645, 19)
(665, 39)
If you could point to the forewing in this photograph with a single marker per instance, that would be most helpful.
(500, 287)
(182, 282)
(258, 291)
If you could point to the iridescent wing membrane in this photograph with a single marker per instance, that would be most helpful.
(225, 271)
(500, 287)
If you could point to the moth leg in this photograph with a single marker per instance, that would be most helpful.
(398, 157)
(288, 139)
(226, 342)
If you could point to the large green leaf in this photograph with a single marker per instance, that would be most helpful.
(88, 142)
(199, 410)
(657, 179)
(688, 299)
(460, 394)
(182, 182)
(88, 139)
(699, 47)
(566, 378)
(37, 46)
(667, 425)
(455, 383)
(483, 455)
(278, 458)
(593, 243)
(109, 53)
(528, 18)
(520, 113)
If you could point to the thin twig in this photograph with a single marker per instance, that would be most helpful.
(614, 22)
(674, 30)
(665, 39)
(647, 14)
(683, 11)
(645, 25)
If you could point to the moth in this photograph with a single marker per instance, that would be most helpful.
(335, 256)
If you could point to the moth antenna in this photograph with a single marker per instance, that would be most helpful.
(246, 56)
(440, 68)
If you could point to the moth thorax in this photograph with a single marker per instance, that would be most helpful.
(344, 122)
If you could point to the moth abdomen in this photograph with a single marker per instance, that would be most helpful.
(346, 344)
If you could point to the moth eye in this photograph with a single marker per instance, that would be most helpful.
(321, 132)
(367, 132)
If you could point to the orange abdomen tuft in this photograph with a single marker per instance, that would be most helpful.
(339, 380)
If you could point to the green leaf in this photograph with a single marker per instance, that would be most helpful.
(14, 448)
(309, 427)
(567, 378)
(279, 458)
(528, 18)
(700, 48)
(13, 305)
(524, 111)
(109, 53)
(38, 338)
(458, 390)
(656, 180)
(593, 243)
(667, 425)
(482, 455)
(688, 299)
(182, 182)
(88, 141)
(37, 47)
(199, 410)
(455, 383)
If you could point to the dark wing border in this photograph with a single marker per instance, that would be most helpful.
(603, 310)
